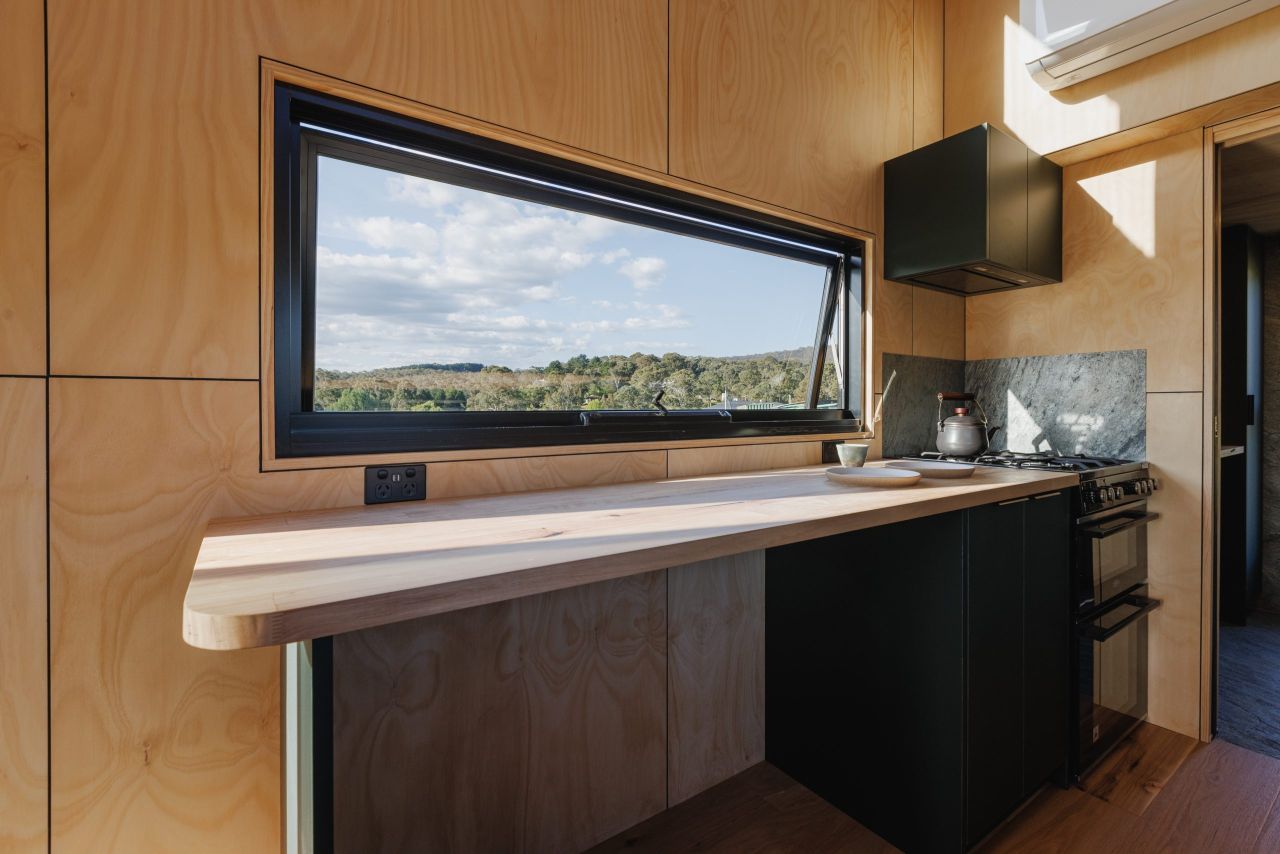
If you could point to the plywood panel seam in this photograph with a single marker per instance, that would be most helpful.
(61, 376)
(668, 170)
(915, 40)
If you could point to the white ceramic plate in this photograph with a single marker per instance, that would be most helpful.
(931, 468)
(872, 476)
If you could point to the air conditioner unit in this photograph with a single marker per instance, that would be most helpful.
(1073, 40)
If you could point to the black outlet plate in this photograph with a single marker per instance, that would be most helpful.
(385, 484)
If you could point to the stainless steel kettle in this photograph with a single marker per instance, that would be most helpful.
(962, 434)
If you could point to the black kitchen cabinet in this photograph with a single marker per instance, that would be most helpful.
(1017, 658)
(1046, 639)
(863, 665)
(994, 665)
(973, 213)
(916, 673)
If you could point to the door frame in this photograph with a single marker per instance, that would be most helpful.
(1216, 137)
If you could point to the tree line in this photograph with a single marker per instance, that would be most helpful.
(581, 382)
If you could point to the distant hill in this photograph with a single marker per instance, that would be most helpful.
(451, 367)
(799, 354)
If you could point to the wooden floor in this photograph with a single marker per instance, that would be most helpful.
(1249, 684)
(1160, 792)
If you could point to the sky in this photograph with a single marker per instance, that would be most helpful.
(410, 270)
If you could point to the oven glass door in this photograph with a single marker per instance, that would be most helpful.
(1112, 676)
(1115, 550)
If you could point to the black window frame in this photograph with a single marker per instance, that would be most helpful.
(309, 125)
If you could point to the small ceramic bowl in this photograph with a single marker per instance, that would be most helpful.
(852, 454)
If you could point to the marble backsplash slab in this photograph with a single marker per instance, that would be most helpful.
(910, 410)
(1078, 403)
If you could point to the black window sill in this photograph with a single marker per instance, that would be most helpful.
(314, 434)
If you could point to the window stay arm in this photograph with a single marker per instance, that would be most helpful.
(818, 361)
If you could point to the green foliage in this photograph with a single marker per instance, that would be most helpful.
(582, 382)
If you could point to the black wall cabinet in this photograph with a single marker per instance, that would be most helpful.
(916, 674)
(972, 213)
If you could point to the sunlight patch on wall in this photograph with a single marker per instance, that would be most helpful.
(1044, 122)
(1129, 196)
(1022, 431)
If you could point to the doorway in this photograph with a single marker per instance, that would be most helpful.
(1247, 707)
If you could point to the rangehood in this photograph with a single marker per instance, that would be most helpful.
(972, 213)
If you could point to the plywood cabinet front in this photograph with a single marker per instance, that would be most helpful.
(797, 103)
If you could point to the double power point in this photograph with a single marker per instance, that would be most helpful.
(384, 484)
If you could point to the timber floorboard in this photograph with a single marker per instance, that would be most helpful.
(1139, 768)
(1249, 684)
(1166, 797)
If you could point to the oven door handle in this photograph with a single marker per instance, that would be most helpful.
(1145, 606)
(1100, 533)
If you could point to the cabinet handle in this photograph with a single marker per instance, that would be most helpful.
(1013, 501)
(1048, 495)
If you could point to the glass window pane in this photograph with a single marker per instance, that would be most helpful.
(436, 297)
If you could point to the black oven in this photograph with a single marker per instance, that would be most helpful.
(1110, 553)
(1111, 676)
(1110, 608)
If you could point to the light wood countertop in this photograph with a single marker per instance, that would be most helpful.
(291, 577)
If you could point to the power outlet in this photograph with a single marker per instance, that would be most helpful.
(384, 484)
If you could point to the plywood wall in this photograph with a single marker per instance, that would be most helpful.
(986, 82)
(538, 724)
(553, 722)
(1133, 278)
(152, 286)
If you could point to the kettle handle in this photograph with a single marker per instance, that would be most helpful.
(965, 395)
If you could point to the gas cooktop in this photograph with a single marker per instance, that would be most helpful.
(1088, 467)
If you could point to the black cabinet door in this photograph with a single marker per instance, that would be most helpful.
(1047, 638)
(864, 676)
(994, 665)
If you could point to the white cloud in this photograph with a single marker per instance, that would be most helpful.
(645, 272)
(469, 278)
(383, 232)
(421, 192)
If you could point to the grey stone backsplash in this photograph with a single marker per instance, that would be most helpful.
(1078, 403)
(909, 411)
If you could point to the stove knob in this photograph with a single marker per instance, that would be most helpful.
(1152, 484)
